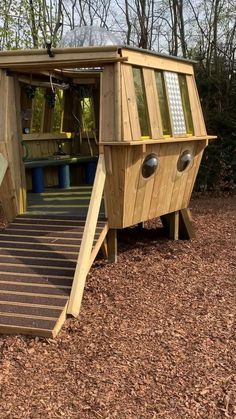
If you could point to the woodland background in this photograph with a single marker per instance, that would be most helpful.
(202, 30)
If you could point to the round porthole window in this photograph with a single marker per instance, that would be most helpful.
(150, 165)
(184, 160)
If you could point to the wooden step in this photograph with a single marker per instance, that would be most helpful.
(38, 256)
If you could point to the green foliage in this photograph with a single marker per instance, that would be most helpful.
(218, 97)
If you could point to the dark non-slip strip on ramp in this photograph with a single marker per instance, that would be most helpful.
(35, 279)
(38, 256)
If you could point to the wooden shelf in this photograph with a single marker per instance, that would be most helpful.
(160, 141)
(47, 136)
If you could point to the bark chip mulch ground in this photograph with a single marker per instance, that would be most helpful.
(155, 337)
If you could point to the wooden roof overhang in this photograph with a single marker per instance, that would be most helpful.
(38, 60)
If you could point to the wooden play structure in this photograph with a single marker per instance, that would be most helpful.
(132, 116)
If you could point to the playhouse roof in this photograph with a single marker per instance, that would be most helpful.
(40, 59)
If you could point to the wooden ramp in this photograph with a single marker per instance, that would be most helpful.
(38, 255)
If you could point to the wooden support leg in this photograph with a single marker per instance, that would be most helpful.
(104, 249)
(186, 229)
(179, 224)
(112, 245)
(174, 225)
(171, 224)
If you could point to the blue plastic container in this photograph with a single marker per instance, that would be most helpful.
(90, 172)
(37, 180)
(64, 176)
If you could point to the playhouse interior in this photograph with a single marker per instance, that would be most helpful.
(60, 136)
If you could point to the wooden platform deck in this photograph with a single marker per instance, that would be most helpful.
(73, 201)
(38, 255)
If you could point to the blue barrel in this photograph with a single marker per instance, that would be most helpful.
(64, 176)
(37, 180)
(90, 172)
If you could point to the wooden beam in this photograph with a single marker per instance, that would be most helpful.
(140, 58)
(112, 245)
(83, 261)
(3, 167)
(47, 136)
(162, 140)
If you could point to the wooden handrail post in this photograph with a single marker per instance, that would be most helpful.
(83, 262)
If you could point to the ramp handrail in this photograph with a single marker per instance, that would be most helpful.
(83, 261)
(3, 167)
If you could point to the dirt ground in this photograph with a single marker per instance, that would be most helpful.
(155, 337)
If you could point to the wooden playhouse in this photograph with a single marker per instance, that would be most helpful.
(133, 117)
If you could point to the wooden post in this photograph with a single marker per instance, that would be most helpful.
(112, 245)
(83, 262)
(104, 248)
(174, 225)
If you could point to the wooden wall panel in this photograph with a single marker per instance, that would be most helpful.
(133, 199)
(164, 179)
(12, 193)
(132, 183)
(115, 160)
(107, 105)
(181, 178)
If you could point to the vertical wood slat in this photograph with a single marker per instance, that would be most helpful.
(152, 103)
(166, 180)
(83, 262)
(107, 105)
(13, 184)
(47, 113)
(144, 191)
(117, 105)
(13, 143)
(125, 120)
(180, 178)
(114, 185)
(132, 174)
(195, 105)
(131, 101)
(7, 191)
